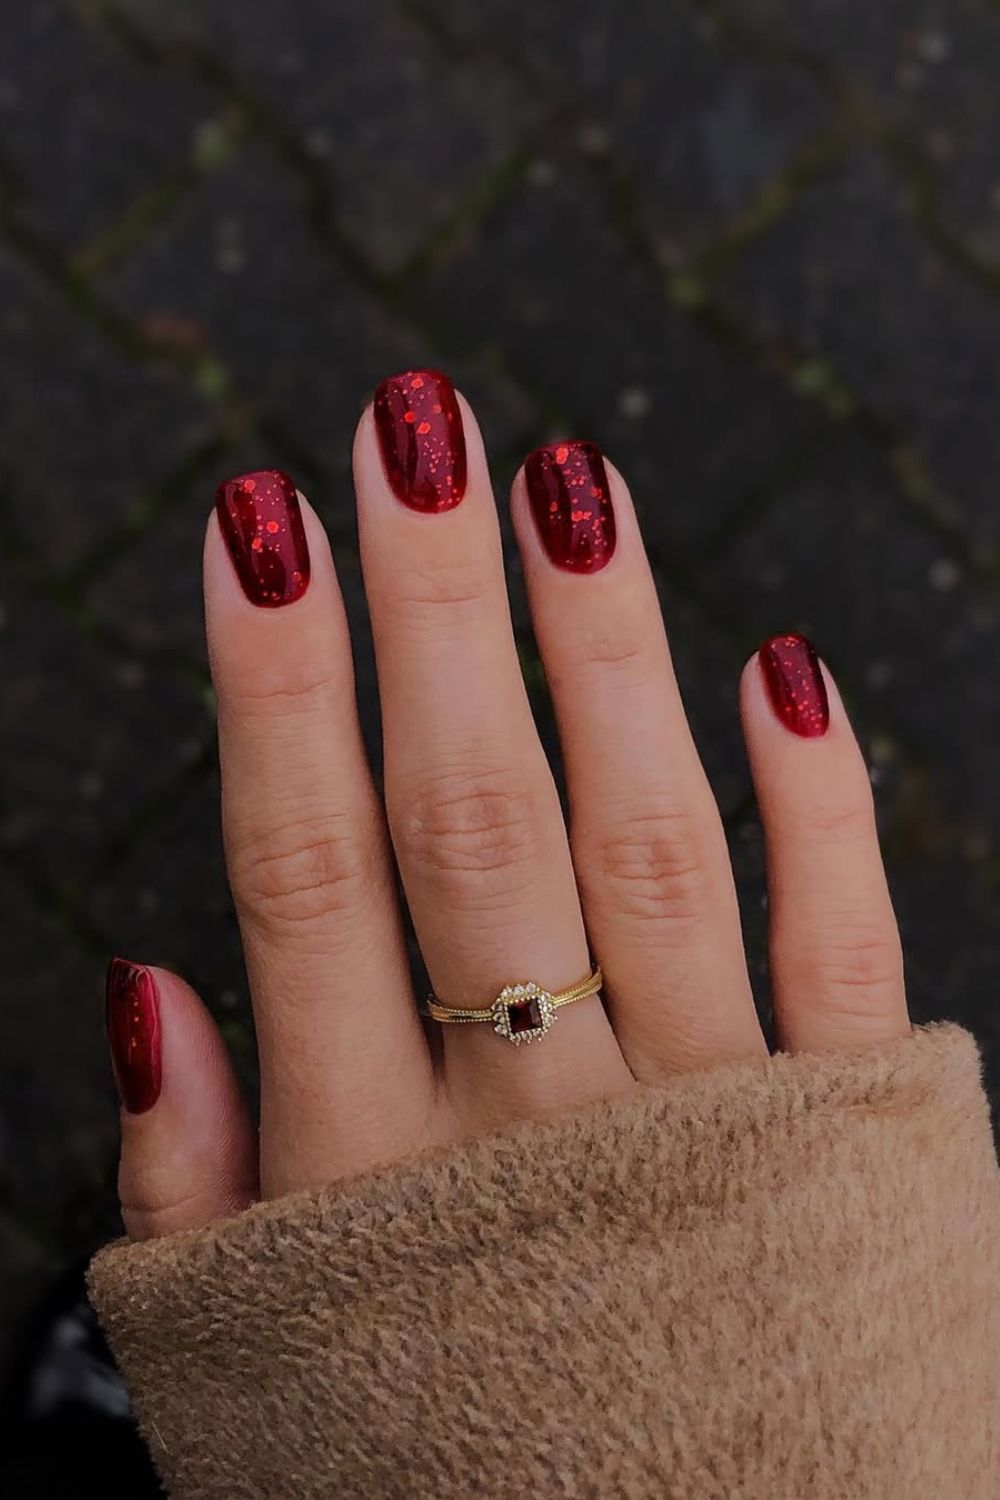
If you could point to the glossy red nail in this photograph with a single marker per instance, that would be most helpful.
(795, 685)
(571, 502)
(420, 435)
(262, 523)
(133, 1021)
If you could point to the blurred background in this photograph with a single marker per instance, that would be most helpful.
(751, 249)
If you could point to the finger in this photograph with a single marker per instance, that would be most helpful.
(189, 1150)
(472, 806)
(650, 854)
(836, 963)
(346, 1079)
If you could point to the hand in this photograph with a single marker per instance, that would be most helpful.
(351, 1078)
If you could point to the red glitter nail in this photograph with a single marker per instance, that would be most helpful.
(571, 502)
(795, 685)
(262, 523)
(133, 1022)
(420, 435)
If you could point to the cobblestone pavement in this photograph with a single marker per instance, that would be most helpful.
(753, 250)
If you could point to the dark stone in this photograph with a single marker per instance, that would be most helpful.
(524, 1015)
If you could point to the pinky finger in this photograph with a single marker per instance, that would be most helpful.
(836, 962)
(189, 1152)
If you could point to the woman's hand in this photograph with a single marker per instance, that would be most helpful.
(498, 890)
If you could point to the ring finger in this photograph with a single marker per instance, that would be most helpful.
(306, 849)
(473, 809)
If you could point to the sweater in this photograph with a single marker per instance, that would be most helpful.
(775, 1281)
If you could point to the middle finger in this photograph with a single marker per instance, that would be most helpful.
(473, 809)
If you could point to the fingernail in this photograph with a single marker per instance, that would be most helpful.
(133, 1021)
(261, 521)
(571, 502)
(420, 434)
(795, 685)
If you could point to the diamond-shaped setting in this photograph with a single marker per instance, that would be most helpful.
(523, 1012)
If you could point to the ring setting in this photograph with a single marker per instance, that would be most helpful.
(522, 1013)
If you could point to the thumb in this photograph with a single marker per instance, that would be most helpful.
(189, 1150)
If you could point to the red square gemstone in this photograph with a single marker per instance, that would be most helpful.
(524, 1015)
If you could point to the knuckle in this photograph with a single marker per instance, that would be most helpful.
(842, 823)
(864, 962)
(463, 825)
(850, 973)
(302, 872)
(652, 865)
(287, 684)
(438, 580)
(151, 1220)
(621, 644)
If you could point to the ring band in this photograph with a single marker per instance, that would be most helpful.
(521, 1012)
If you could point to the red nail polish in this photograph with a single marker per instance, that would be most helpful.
(133, 1021)
(795, 685)
(420, 434)
(571, 502)
(262, 523)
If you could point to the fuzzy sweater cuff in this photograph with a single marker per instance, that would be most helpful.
(771, 1281)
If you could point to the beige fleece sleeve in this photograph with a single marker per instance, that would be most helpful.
(766, 1283)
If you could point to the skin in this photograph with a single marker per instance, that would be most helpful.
(498, 888)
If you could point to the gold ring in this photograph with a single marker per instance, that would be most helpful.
(521, 1012)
